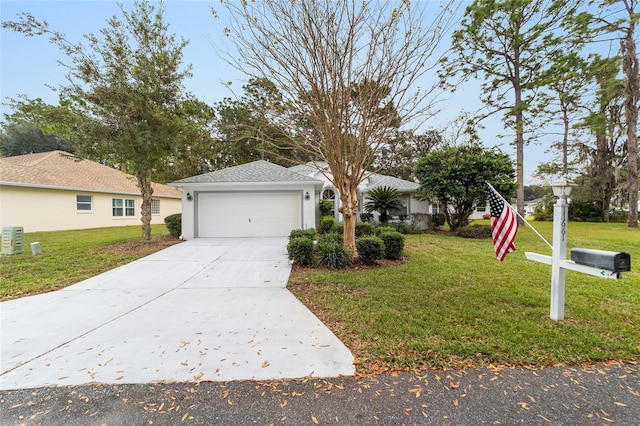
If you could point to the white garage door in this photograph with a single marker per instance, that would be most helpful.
(248, 214)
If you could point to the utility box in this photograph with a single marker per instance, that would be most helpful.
(607, 260)
(12, 240)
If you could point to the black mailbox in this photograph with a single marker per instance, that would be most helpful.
(607, 260)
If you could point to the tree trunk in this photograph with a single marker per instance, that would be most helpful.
(146, 190)
(349, 210)
(520, 163)
(631, 91)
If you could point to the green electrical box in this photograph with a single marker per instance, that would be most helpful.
(12, 240)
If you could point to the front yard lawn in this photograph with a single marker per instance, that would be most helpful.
(453, 305)
(69, 257)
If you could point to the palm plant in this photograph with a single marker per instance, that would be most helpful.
(384, 199)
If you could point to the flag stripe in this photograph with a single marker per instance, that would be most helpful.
(504, 225)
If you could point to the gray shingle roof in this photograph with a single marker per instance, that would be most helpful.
(257, 171)
(401, 185)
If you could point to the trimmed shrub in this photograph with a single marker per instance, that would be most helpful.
(393, 244)
(382, 229)
(326, 224)
(438, 220)
(333, 255)
(370, 248)
(406, 228)
(364, 229)
(326, 208)
(174, 224)
(582, 211)
(474, 231)
(366, 217)
(332, 237)
(338, 227)
(300, 250)
(310, 233)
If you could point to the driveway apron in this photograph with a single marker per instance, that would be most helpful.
(203, 310)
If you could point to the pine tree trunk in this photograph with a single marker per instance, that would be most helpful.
(632, 89)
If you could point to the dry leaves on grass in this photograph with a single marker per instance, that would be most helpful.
(141, 248)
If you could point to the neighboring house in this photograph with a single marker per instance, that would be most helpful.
(407, 188)
(257, 199)
(55, 190)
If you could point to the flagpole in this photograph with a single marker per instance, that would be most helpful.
(518, 214)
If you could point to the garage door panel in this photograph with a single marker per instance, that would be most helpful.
(266, 214)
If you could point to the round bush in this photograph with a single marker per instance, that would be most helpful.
(370, 248)
(382, 229)
(393, 244)
(363, 229)
(174, 224)
(338, 227)
(310, 233)
(326, 224)
(474, 231)
(333, 255)
(300, 250)
(332, 237)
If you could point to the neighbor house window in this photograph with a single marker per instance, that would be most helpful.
(435, 208)
(123, 207)
(84, 203)
(481, 209)
(155, 206)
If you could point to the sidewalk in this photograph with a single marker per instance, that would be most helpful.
(593, 395)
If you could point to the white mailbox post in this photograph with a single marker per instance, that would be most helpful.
(558, 259)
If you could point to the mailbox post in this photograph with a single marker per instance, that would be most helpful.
(594, 262)
(562, 190)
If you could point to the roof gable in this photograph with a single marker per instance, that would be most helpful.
(61, 170)
(257, 171)
(370, 181)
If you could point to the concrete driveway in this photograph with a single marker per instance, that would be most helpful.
(202, 310)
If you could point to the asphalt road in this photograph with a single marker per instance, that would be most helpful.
(590, 395)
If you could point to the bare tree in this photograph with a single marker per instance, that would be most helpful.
(349, 72)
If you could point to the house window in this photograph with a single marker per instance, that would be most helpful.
(404, 210)
(435, 208)
(328, 194)
(84, 203)
(123, 207)
(481, 209)
(155, 206)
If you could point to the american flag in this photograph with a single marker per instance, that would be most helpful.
(504, 225)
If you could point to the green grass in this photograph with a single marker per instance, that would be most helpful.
(454, 305)
(67, 258)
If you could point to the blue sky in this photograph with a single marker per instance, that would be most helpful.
(29, 65)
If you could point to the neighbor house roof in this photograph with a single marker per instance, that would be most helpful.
(257, 171)
(61, 170)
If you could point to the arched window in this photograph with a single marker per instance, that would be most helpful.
(328, 194)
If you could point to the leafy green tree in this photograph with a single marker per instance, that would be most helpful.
(457, 177)
(398, 156)
(348, 73)
(28, 138)
(126, 95)
(619, 19)
(384, 200)
(247, 127)
(603, 153)
(506, 43)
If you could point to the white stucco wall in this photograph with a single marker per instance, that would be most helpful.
(41, 209)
